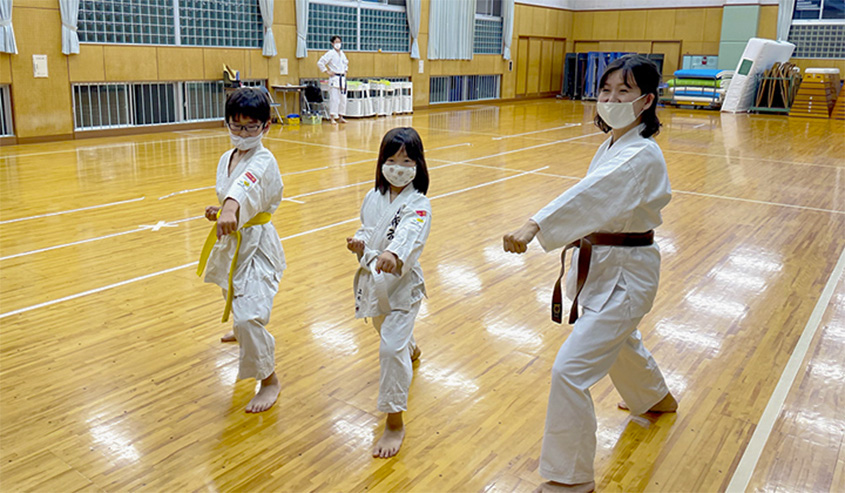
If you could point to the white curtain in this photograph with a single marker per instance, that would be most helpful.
(451, 29)
(414, 10)
(507, 28)
(266, 7)
(70, 21)
(301, 28)
(785, 9)
(7, 34)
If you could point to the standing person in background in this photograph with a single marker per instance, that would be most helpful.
(335, 64)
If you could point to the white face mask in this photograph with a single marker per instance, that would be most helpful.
(618, 115)
(398, 175)
(246, 143)
(337, 46)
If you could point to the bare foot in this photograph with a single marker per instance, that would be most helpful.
(394, 432)
(334, 122)
(266, 395)
(342, 120)
(666, 405)
(229, 337)
(554, 487)
(416, 354)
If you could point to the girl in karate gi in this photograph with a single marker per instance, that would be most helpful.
(619, 200)
(247, 259)
(389, 286)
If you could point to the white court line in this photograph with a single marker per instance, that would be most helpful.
(80, 242)
(545, 144)
(107, 146)
(763, 202)
(750, 158)
(154, 274)
(514, 170)
(90, 240)
(745, 468)
(185, 191)
(568, 125)
(71, 210)
(490, 183)
(319, 145)
(451, 146)
(451, 130)
(96, 290)
(708, 195)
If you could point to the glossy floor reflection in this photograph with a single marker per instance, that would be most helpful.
(113, 377)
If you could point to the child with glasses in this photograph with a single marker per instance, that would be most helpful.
(243, 253)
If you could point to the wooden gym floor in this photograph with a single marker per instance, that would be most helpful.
(113, 379)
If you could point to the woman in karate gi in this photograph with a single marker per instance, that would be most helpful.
(247, 259)
(389, 285)
(335, 64)
(609, 215)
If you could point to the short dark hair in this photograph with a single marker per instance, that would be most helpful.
(393, 142)
(246, 101)
(646, 76)
(334, 38)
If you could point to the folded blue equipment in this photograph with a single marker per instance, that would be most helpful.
(702, 73)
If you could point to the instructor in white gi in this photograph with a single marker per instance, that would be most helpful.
(611, 213)
(335, 64)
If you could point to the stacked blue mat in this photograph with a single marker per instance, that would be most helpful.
(704, 86)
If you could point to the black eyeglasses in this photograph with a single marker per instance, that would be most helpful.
(251, 128)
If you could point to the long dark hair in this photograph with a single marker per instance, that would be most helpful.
(643, 72)
(393, 142)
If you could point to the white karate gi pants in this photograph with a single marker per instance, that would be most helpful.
(337, 102)
(250, 313)
(601, 342)
(397, 345)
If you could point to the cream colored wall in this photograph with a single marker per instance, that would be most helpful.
(46, 103)
(5, 68)
(43, 106)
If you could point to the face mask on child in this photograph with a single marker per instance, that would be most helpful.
(398, 175)
(246, 143)
(337, 46)
(618, 115)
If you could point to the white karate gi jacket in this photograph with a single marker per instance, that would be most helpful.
(257, 186)
(626, 186)
(401, 227)
(336, 62)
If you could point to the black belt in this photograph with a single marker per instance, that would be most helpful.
(342, 83)
(585, 247)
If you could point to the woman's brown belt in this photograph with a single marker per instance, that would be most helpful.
(585, 247)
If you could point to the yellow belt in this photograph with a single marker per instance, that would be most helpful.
(260, 218)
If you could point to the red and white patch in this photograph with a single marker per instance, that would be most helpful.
(421, 213)
(251, 177)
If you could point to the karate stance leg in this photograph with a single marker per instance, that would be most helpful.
(251, 313)
(637, 378)
(589, 353)
(396, 349)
